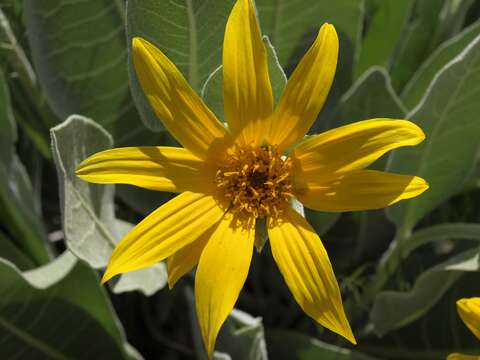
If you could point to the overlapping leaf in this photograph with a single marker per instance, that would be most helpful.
(53, 311)
(19, 208)
(448, 119)
(91, 230)
(80, 55)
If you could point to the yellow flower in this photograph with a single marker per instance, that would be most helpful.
(469, 311)
(230, 176)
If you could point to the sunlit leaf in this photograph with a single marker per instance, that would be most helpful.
(371, 96)
(91, 230)
(383, 33)
(447, 156)
(80, 55)
(189, 32)
(418, 85)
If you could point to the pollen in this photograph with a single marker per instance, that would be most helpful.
(256, 181)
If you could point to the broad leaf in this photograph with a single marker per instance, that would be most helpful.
(394, 309)
(91, 230)
(53, 311)
(80, 56)
(189, 32)
(371, 96)
(392, 259)
(87, 209)
(382, 34)
(418, 85)
(415, 42)
(447, 155)
(19, 208)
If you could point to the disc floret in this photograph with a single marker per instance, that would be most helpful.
(256, 181)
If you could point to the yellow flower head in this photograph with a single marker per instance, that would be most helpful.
(469, 311)
(230, 176)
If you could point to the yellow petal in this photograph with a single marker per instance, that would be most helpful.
(361, 190)
(457, 356)
(154, 167)
(247, 91)
(172, 226)
(306, 90)
(469, 311)
(186, 258)
(304, 264)
(352, 147)
(221, 272)
(181, 110)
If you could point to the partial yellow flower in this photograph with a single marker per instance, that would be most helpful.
(229, 177)
(469, 311)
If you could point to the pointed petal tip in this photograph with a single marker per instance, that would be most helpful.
(137, 42)
(350, 337)
(329, 27)
(108, 274)
(418, 130)
(171, 282)
(140, 46)
(422, 184)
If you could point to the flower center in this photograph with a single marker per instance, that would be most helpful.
(256, 181)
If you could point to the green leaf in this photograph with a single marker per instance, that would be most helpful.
(19, 207)
(397, 253)
(371, 96)
(418, 85)
(394, 309)
(87, 209)
(452, 19)
(64, 293)
(291, 345)
(383, 34)
(89, 223)
(415, 42)
(10, 252)
(446, 157)
(190, 33)
(79, 53)
(212, 89)
(293, 25)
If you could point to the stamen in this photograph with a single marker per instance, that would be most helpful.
(257, 181)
